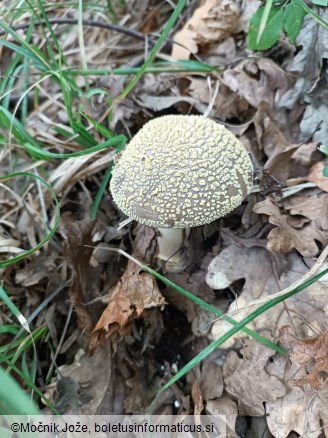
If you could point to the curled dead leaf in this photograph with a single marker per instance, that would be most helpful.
(312, 205)
(260, 271)
(316, 176)
(285, 238)
(256, 81)
(210, 23)
(244, 378)
(135, 292)
(300, 411)
(304, 350)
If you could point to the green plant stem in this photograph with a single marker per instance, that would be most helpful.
(164, 68)
(175, 15)
(314, 15)
(239, 326)
(199, 301)
(264, 19)
(51, 231)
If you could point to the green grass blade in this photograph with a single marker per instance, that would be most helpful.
(175, 15)
(29, 384)
(51, 231)
(25, 344)
(26, 49)
(199, 301)
(105, 182)
(13, 400)
(313, 14)
(214, 310)
(21, 318)
(106, 133)
(157, 67)
(239, 326)
(8, 121)
(119, 140)
(53, 38)
(9, 328)
(264, 19)
(26, 68)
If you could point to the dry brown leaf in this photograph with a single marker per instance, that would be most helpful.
(273, 143)
(145, 385)
(278, 165)
(260, 272)
(285, 238)
(227, 104)
(302, 411)
(159, 103)
(256, 81)
(312, 205)
(306, 153)
(86, 279)
(197, 398)
(211, 381)
(228, 408)
(37, 270)
(223, 53)
(316, 176)
(210, 23)
(92, 373)
(247, 380)
(304, 350)
(135, 292)
(145, 243)
(313, 379)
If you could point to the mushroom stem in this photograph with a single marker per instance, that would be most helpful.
(171, 254)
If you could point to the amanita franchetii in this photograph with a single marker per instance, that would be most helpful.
(180, 172)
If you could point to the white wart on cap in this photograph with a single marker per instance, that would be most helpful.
(180, 172)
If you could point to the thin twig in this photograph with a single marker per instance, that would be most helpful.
(92, 23)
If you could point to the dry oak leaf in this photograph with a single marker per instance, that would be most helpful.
(135, 292)
(313, 379)
(312, 204)
(285, 238)
(301, 411)
(92, 373)
(243, 81)
(227, 104)
(36, 271)
(247, 380)
(228, 409)
(304, 350)
(210, 23)
(197, 398)
(260, 271)
(210, 380)
(316, 176)
(307, 153)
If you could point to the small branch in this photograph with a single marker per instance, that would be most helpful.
(92, 23)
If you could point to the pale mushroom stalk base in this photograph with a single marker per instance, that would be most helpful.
(171, 248)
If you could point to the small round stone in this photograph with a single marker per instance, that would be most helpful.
(181, 171)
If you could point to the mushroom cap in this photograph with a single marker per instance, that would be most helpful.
(181, 171)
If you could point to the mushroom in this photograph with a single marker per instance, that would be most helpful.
(179, 172)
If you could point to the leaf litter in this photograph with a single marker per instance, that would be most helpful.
(276, 103)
